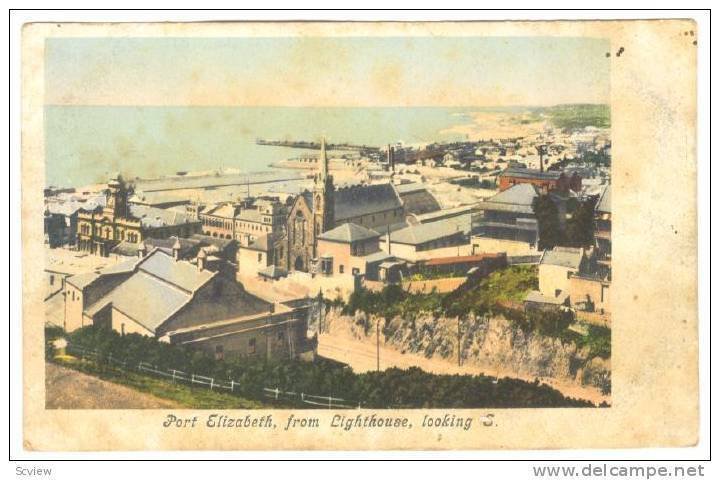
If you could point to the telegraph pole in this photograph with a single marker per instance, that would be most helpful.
(377, 329)
(459, 345)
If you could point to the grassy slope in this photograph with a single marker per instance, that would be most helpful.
(187, 396)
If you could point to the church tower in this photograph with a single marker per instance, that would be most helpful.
(323, 195)
(116, 199)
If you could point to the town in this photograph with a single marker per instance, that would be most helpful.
(275, 266)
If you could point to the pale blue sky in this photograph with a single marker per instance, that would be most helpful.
(322, 71)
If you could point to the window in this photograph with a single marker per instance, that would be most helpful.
(52, 279)
(280, 336)
(219, 353)
(252, 346)
(342, 268)
(259, 257)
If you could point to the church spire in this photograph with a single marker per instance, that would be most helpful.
(323, 160)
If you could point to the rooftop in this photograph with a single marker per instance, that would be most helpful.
(567, 257)
(183, 275)
(349, 232)
(151, 217)
(604, 203)
(357, 200)
(518, 199)
(427, 232)
(515, 172)
(410, 187)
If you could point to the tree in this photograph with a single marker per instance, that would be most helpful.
(548, 219)
(579, 232)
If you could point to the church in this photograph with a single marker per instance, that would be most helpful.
(325, 207)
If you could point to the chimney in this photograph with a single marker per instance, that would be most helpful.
(201, 260)
(142, 250)
(176, 249)
(388, 240)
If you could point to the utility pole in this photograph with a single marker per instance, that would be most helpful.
(459, 344)
(542, 150)
(377, 329)
(320, 316)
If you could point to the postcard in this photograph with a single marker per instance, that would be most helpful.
(359, 236)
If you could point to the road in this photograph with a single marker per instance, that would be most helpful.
(361, 355)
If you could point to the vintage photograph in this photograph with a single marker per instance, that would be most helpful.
(209, 246)
(359, 236)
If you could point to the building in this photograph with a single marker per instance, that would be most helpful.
(186, 248)
(262, 216)
(257, 255)
(508, 222)
(416, 198)
(590, 292)
(324, 208)
(61, 215)
(182, 302)
(159, 199)
(101, 229)
(343, 250)
(219, 220)
(480, 265)
(545, 182)
(603, 226)
(556, 267)
(244, 221)
(407, 243)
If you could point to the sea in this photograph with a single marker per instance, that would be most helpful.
(87, 144)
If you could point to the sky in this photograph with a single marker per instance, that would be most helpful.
(327, 72)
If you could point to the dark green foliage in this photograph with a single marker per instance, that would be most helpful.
(480, 296)
(552, 323)
(580, 227)
(598, 339)
(549, 229)
(392, 388)
(393, 301)
(52, 333)
(601, 159)
(579, 116)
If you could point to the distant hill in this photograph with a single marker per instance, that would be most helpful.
(577, 116)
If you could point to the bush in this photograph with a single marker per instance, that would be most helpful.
(392, 388)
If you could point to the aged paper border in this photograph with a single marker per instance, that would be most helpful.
(655, 340)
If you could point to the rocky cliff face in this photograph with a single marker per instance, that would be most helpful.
(492, 343)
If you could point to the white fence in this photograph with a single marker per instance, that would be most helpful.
(213, 384)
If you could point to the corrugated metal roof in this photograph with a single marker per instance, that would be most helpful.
(179, 273)
(357, 200)
(427, 232)
(144, 298)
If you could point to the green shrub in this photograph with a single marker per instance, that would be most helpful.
(392, 388)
